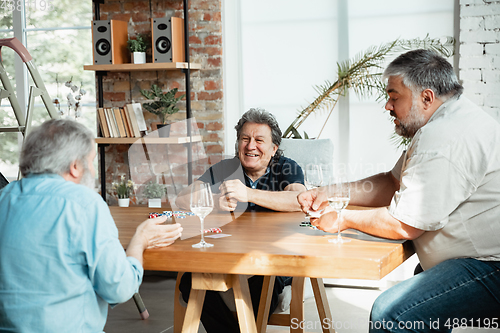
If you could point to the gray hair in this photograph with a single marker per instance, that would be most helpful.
(261, 116)
(424, 69)
(54, 145)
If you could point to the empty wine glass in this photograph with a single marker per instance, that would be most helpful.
(313, 176)
(202, 203)
(313, 179)
(338, 198)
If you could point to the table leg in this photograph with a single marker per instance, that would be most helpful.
(243, 302)
(325, 315)
(265, 302)
(297, 305)
(193, 311)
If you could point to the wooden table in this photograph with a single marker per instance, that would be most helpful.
(268, 244)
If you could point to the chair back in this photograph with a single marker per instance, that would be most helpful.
(308, 151)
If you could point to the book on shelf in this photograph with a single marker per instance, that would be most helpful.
(101, 116)
(133, 120)
(119, 123)
(137, 108)
(126, 123)
(113, 129)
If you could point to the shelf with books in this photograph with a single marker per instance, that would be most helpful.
(170, 140)
(111, 135)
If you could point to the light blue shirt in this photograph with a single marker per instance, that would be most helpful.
(61, 262)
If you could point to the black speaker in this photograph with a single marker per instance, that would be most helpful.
(109, 38)
(167, 39)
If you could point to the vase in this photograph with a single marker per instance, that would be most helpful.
(139, 57)
(124, 202)
(154, 203)
(163, 130)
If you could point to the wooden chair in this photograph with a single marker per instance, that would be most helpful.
(279, 319)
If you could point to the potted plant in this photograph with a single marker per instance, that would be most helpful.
(123, 190)
(163, 105)
(154, 192)
(138, 48)
(363, 74)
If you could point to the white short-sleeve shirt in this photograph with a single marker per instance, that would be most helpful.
(450, 185)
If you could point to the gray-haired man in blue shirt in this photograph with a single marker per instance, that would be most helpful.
(61, 262)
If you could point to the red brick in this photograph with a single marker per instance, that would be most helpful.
(143, 28)
(175, 84)
(120, 17)
(194, 40)
(200, 125)
(214, 61)
(214, 149)
(136, 6)
(217, 16)
(212, 137)
(110, 8)
(214, 159)
(213, 40)
(212, 85)
(141, 17)
(116, 76)
(159, 14)
(205, 96)
(214, 127)
(201, 5)
(114, 96)
(163, 5)
(180, 93)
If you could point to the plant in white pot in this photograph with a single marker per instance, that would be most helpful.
(154, 192)
(123, 189)
(138, 48)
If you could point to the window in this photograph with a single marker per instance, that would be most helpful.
(57, 34)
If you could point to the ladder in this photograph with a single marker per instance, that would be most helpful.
(23, 120)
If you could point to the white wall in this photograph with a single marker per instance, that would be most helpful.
(480, 53)
(288, 47)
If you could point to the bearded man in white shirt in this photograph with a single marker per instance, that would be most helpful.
(443, 194)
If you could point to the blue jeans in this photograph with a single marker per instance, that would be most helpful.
(455, 293)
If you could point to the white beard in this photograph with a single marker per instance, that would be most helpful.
(87, 179)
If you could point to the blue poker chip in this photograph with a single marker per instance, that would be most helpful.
(180, 217)
(190, 214)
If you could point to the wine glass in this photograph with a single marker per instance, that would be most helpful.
(313, 179)
(202, 203)
(313, 176)
(338, 199)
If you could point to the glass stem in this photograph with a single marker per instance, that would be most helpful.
(339, 237)
(202, 229)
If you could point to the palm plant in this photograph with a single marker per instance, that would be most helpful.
(363, 73)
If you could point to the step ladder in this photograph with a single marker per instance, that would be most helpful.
(23, 119)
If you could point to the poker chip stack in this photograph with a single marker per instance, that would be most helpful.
(178, 214)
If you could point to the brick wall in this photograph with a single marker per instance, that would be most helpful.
(206, 91)
(480, 53)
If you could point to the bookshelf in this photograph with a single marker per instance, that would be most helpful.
(170, 140)
(185, 67)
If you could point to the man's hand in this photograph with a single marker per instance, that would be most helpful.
(155, 234)
(313, 200)
(228, 205)
(234, 190)
(327, 222)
